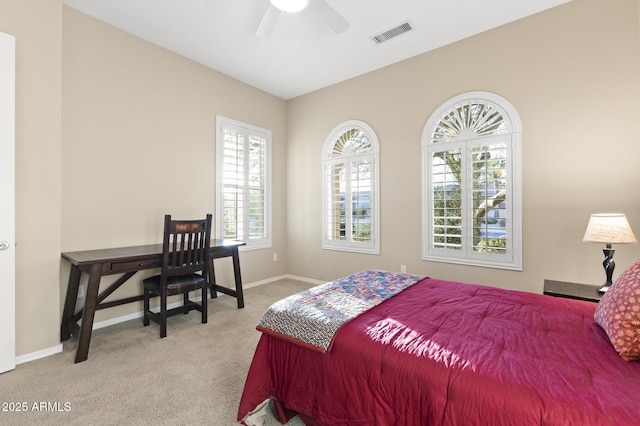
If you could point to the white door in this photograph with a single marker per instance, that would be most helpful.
(7, 204)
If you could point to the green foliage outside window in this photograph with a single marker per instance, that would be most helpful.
(447, 203)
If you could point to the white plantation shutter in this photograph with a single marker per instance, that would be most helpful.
(256, 187)
(446, 190)
(491, 196)
(350, 189)
(336, 218)
(243, 183)
(361, 181)
(232, 185)
(472, 183)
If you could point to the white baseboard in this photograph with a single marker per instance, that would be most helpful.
(284, 277)
(38, 354)
(304, 279)
(58, 348)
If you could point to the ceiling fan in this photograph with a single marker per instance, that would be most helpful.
(320, 7)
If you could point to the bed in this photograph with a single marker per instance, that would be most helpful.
(440, 352)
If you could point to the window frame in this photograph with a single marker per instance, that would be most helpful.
(328, 159)
(465, 141)
(223, 123)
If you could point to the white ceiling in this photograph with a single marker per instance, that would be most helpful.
(303, 54)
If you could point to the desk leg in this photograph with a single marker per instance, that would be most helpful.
(89, 312)
(70, 302)
(238, 278)
(212, 279)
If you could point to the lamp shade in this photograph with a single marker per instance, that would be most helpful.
(609, 228)
(290, 6)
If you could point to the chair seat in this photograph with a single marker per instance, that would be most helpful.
(175, 284)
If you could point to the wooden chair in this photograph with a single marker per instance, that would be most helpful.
(184, 269)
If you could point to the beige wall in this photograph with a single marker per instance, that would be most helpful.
(139, 142)
(573, 74)
(37, 27)
(100, 115)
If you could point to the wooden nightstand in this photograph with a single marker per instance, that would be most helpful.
(569, 290)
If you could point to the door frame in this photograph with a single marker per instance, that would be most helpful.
(7, 202)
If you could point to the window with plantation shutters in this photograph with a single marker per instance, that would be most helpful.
(243, 160)
(350, 189)
(472, 183)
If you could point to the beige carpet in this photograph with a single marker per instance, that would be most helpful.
(194, 376)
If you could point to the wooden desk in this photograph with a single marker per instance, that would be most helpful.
(126, 261)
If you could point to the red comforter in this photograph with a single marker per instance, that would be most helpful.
(443, 352)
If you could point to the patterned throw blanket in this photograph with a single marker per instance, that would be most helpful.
(311, 318)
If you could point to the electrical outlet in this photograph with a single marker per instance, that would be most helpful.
(275, 257)
(81, 291)
(403, 268)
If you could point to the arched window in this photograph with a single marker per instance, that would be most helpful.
(471, 161)
(350, 212)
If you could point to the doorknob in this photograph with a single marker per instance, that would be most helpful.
(4, 245)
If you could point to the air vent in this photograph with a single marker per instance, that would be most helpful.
(393, 32)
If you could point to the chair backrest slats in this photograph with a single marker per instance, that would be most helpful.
(185, 245)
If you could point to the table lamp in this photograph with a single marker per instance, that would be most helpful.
(608, 228)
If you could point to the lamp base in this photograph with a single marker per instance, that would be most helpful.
(609, 266)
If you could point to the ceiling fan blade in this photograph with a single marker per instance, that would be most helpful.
(329, 15)
(268, 22)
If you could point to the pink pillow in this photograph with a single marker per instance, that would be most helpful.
(618, 313)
